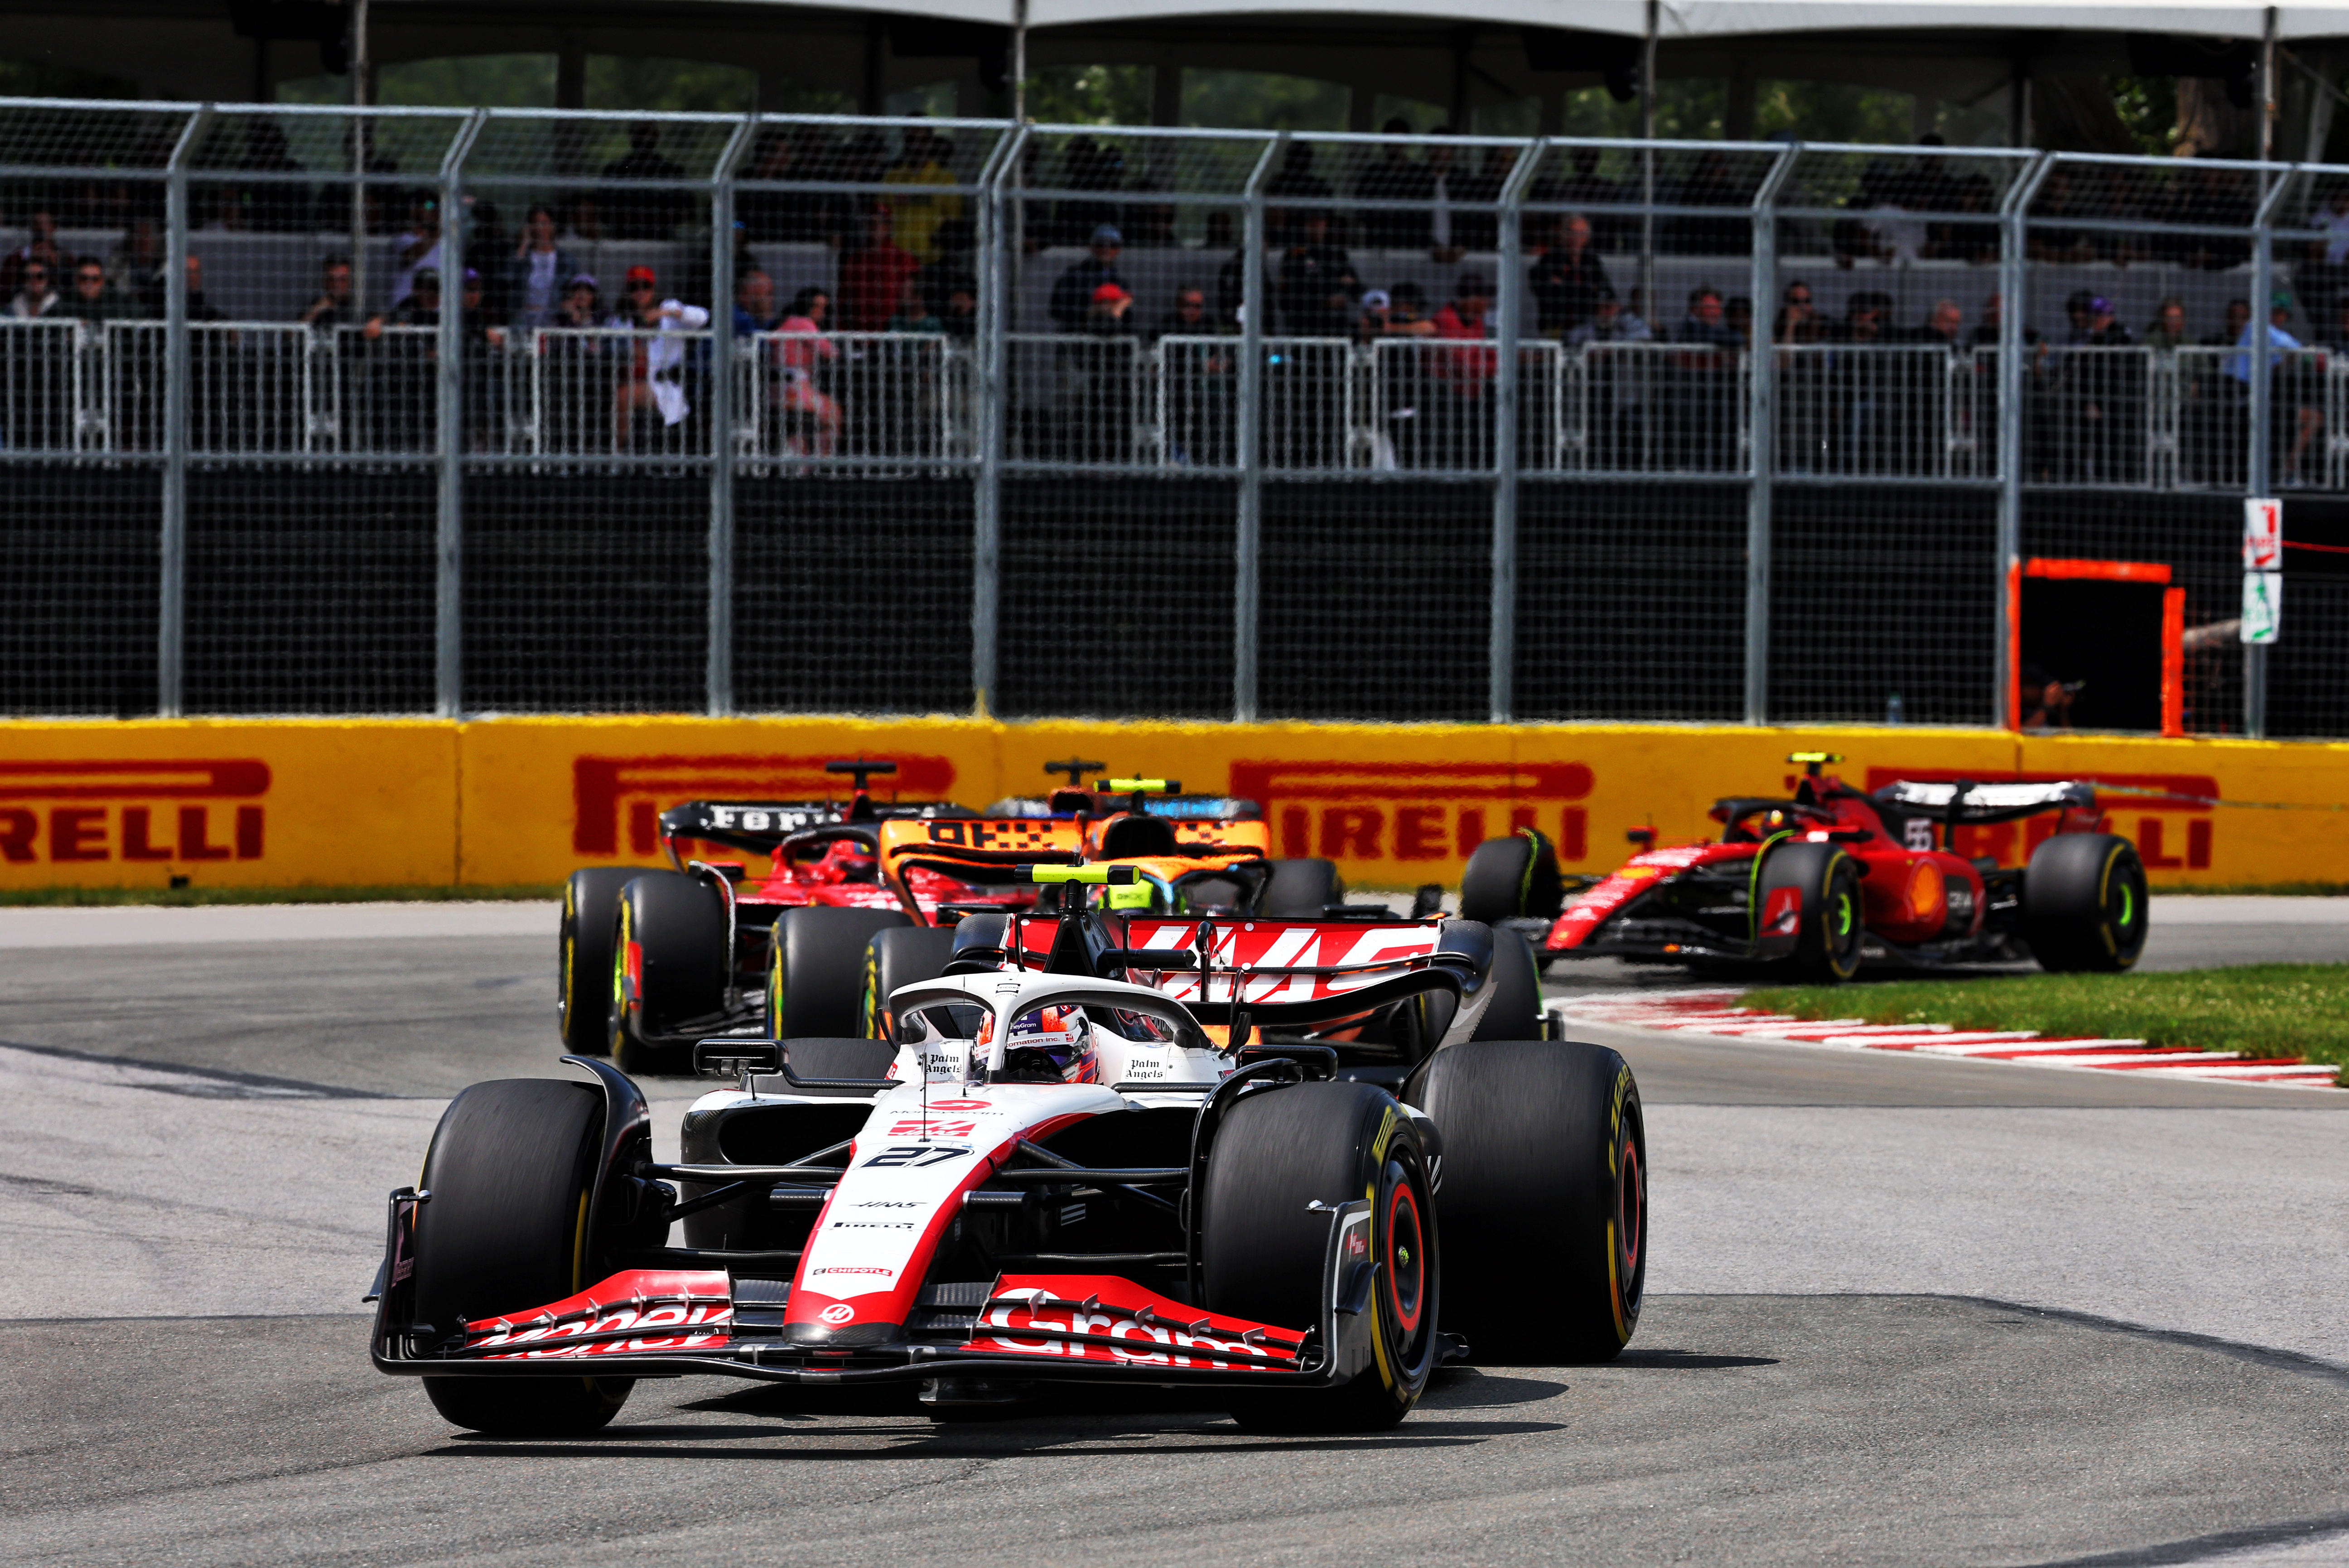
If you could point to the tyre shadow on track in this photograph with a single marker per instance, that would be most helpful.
(1011, 1439)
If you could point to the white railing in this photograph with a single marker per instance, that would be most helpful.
(2130, 417)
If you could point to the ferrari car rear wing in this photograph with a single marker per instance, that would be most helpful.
(1964, 801)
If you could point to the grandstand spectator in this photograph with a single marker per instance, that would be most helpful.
(137, 265)
(198, 308)
(1199, 382)
(795, 217)
(1737, 310)
(580, 306)
(1464, 374)
(1072, 293)
(1441, 190)
(914, 313)
(417, 250)
(1609, 323)
(1798, 320)
(419, 306)
(872, 276)
(656, 379)
(1566, 279)
(1404, 379)
(754, 303)
(399, 371)
(1395, 176)
(332, 306)
(535, 272)
(1295, 181)
(1188, 317)
(1943, 326)
(91, 300)
(2046, 704)
(2238, 324)
(1587, 190)
(917, 215)
(810, 419)
(1706, 324)
(41, 248)
(483, 342)
(959, 313)
(1318, 284)
(638, 214)
(2293, 386)
(1993, 314)
(1086, 165)
(2166, 330)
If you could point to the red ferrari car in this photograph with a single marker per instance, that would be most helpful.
(1835, 876)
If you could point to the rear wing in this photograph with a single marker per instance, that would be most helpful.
(1967, 802)
(760, 826)
(1273, 974)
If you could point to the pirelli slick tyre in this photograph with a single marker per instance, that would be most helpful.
(900, 955)
(1301, 889)
(583, 950)
(2084, 903)
(1511, 878)
(1832, 923)
(510, 1172)
(1263, 1246)
(1544, 1200)
(1515, 1012)
(669, 966)
(815, 970)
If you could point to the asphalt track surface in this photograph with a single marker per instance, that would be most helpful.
(1901, 1311)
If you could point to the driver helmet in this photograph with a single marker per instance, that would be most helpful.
(846, 860)
(1048, 1046)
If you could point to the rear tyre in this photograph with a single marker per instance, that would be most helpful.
(1301, 889)
(1544, 1206)
(1832, 924)
(1515, 1012)
(1511, 878)
(512, 1171)
(2084, 903)
(590, 911)
(901, 955)
(815, 970)
(669, 966)
(1262, 1251)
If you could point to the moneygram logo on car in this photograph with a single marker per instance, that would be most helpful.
(1404, 812)
(609, 795)
(169, 813)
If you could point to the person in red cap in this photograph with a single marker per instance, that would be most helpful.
(1110, 316)
(655, 374)
(872, 276)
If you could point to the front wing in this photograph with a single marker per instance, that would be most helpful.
(651, 1323)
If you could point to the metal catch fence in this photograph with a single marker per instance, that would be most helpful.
(404, 411)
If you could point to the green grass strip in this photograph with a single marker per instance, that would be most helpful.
(2260, 1010)
(59, 898)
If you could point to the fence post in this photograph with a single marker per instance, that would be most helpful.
(171, 589)
(720, 665)
(1501, 654)
(986, 499)
(448, 595)
(2013, 221)
(1248, 543)
(2258, 478)
(1761, 432)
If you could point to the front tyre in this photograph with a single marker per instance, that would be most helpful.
(1262, 1250)
(898, 955)
(584, 951)
(815, 970)
(1511, 878)
(670, 967)
(1544, 1203)
(512, 1171)
(2084, 903)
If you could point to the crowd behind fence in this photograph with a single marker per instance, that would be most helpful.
(818, 347)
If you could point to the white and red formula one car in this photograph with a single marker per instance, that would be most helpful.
(1269, 1156)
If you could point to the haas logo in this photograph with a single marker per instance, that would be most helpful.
(837, 1314)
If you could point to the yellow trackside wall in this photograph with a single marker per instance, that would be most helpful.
(513, 801)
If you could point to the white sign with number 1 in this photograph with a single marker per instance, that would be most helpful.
(2263, 536)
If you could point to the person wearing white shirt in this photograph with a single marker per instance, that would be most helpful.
(657, 374)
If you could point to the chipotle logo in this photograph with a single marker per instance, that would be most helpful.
(1414, 810)
(179, 813)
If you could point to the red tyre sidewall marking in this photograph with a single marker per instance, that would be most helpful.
(1399, 1199)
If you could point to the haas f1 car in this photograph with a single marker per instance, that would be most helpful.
(845, 902)
(1126, 1148)
(1820, 881)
